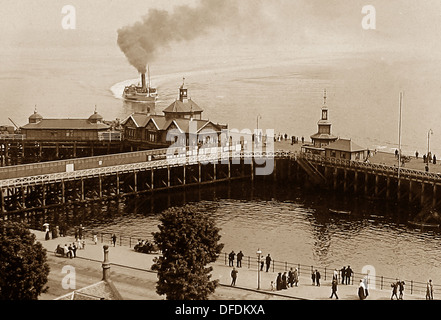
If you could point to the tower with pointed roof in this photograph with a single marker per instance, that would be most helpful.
(323, 137)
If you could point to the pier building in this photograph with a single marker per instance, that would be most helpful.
(183, 116)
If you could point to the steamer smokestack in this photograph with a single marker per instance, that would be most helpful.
(144, 86)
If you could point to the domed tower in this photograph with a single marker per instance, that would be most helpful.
(95, 117)
(35, 117)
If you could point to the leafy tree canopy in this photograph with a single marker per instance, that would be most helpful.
(23, 266)
(189, 240)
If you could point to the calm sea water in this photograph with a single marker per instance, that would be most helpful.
(286, 89)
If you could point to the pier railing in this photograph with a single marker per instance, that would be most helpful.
(305, 270)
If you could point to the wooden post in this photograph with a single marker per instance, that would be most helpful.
(100, 178)
(366, 183)
(388, 187)
(183, 180)
(117, 184)
(2, 203)
(135, 181)
(152, 179)
(422, 193)
(63, 192)
(356, 182)
(376, 184)
(434, 195)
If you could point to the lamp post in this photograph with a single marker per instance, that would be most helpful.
(258, 268)
(430, 132)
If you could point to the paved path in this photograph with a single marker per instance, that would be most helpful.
(130, 271)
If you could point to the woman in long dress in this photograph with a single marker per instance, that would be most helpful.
(361, 290)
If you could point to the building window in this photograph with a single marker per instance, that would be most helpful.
(152, 137)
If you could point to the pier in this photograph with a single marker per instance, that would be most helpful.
(27, 190)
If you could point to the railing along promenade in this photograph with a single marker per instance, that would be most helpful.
(304, 270)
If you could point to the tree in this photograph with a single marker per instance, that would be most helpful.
(188, 240)
(23, 267)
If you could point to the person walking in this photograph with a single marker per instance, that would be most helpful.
(231, 259)
(429, 290)
(401, 288)
(95, 238)
(313, 277)
(262, 263)
(234, 273)
(46, 230)
(335, 275)
(279, 282)
(394, 286)
(361, 290)
(114, 239)
(334, 288)
(296, 277)
(290, 277)
(317, 277)
(365, 282)
(268, 262)
(239, 259)
(284, 281)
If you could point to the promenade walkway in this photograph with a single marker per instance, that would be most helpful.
(131, 274)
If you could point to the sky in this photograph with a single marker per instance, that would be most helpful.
(405, 25)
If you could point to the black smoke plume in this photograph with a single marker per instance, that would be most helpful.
(159, 28)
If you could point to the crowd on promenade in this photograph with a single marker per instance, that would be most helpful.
(344, 276)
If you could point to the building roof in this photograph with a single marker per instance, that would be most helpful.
(323, 136)
(102, 290)
(66, 124)
(184, 124)
(162, 123)
(345, 145)
(183, 107)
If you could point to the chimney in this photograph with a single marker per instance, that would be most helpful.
(106, 264)
(144, 86)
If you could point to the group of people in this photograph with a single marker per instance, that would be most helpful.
(397, 286)
(284, 281)
(238, 258)
(68, 251)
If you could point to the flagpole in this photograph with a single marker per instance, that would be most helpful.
(399, 136)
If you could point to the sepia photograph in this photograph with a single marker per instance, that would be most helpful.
(217, 158)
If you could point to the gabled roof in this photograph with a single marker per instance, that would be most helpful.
(183, 107)
(184, 124)
(67, 124)
(102, 290)
(345, 145)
